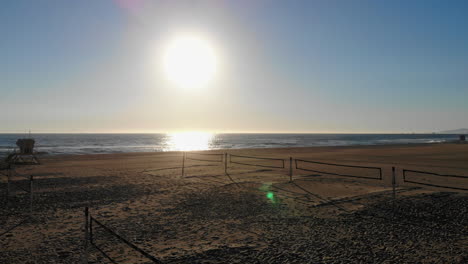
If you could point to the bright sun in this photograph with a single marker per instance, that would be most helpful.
(189, 61)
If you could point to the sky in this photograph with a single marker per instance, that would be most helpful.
(282, 66)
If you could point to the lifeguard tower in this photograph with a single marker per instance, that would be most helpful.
(25, 155)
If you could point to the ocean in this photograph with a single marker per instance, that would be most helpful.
(55, 144)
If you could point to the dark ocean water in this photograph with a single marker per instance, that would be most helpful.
(115, 143)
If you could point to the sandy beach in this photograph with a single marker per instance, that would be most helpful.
(212, 132)
(249, 215)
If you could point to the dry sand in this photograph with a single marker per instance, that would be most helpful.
(251, 215)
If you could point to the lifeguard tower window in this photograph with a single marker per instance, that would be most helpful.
(26, 146)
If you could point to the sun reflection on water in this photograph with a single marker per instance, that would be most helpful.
(187, 141)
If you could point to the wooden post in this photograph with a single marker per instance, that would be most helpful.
(183, 164)
(393, 189)
(86, 237)
(31, 190)
(290, 170)
(225, 164)
(8, 186)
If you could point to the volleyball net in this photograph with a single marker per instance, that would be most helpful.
(257, 161)
(432, 179)
(91, 237)
(343, 170)
(206, 157)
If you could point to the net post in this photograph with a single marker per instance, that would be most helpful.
(8, 186)
(225, 163)
(183, 163)
(290, 169)
(31, 190)
(393, 190)
(86, 237)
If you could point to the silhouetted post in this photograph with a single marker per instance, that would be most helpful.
(31, 179)
(290, 169)
(225, 163)
(183, 164)
(86, 237)
(393, 189)
(8, 186)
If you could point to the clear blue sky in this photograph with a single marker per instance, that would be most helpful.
(285, 66)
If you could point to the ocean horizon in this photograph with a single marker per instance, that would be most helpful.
(56, 144)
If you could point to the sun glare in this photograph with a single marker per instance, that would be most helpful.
(187, 141)
(189, 61)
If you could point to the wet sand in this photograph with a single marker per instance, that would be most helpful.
(250, 215)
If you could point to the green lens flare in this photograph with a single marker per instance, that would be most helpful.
(270, 195)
